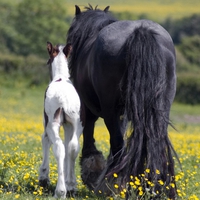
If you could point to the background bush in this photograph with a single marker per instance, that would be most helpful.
(31, 69)
(188, 89)
(28, 25)
(180, 28)
(190, 48)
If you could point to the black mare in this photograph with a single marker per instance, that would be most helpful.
(124, 71)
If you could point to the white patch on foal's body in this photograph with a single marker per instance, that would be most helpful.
(61, 108)
(61, 94)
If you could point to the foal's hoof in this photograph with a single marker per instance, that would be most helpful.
(44, 183)
(60, 194)
(91, 169)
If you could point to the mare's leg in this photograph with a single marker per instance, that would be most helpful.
(59, 152)
(92, 160)
(73, 131)
(88, 133)
(44, 168)
(116, 128)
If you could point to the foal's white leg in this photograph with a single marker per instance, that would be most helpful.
(44, 168)
(73, 131)
(69, 177)
(59, 152)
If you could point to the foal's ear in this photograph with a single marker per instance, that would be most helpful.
(49, 48)
(78, 10)
(106, 9)
(67, 49)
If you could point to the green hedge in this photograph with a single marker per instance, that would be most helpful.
(188, 89)
(34, 71)
(31, 69)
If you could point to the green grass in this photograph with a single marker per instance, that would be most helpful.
(21, 153)
(185, 117)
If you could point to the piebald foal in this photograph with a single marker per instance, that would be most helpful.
(61, 108)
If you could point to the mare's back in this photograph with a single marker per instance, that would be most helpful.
(114, 36)
(110, 49)
(110, 53)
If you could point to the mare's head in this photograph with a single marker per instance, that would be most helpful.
(84, 30)
(58, 59)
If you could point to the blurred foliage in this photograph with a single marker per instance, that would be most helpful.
(187, 26)
(26, 26)
(7, 30)
(188, 89)
(190, 48)
(30, 69)
(184, 65)
(129, 16)
(157, 10)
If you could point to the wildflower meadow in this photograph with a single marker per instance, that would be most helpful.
(21, 128)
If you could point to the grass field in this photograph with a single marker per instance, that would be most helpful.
(21, 153)
(155, 9)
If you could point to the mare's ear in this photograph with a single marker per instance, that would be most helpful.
(49, 48)
(78, 10)
(106, 9)
(67, 49)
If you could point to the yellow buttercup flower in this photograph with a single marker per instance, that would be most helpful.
(147, 170)
(116, 186)
(160, 182)
(157, 171)
(17, 196)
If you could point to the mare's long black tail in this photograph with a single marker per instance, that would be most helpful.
(147, 108)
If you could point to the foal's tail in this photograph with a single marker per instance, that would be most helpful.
(148, 149)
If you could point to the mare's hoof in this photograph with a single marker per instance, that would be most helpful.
(44, 183)
(71, 193)
(91, 169)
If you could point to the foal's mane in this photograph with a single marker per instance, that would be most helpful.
(84, 30)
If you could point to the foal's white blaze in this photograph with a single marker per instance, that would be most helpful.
(61, 107)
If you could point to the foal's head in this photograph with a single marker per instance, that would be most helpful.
(58, 59)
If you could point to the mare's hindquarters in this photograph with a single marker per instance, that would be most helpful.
(149, 83)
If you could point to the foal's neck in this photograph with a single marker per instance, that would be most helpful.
(60, 67)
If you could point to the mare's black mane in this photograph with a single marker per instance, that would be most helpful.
(84, 30)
